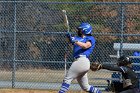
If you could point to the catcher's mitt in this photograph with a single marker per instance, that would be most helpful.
(95, 66)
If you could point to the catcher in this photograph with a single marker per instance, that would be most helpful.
(129, 83)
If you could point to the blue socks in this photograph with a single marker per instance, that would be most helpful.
(94, 90)
(64, 88)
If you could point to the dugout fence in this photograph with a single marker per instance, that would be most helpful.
(32, 39)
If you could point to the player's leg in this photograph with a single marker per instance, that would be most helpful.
(64, 87)
(78, 67)
(83, 79)
(83, 82)
(71, 74)
(129, 91)
(67, 81)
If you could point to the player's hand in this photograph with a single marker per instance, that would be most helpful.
(95, 66)
(68, 35)
(71, 39)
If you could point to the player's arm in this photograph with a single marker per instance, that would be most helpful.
(89, 42)
(83, 45)
(111, 67)
(74, 41)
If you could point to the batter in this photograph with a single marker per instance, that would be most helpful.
(83, 45)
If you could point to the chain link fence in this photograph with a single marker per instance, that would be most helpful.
(33, 45)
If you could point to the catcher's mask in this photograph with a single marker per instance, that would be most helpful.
(123, 61)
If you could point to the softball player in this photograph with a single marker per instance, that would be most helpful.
(130, 82)
(83, 45)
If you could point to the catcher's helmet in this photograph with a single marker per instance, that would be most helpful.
(86, 28)
(123, 61)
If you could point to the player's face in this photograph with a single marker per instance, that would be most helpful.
(79, 32)
(130, 65)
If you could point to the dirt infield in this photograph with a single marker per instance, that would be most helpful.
(36, 91)
(24, 91)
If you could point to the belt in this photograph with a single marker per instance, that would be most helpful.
(80, 56)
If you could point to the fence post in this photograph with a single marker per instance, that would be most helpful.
(122, 29)
(14, 63)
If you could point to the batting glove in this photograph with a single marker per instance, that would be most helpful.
(68, 35)
(71, 39)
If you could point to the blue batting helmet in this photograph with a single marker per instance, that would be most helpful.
(86, 28)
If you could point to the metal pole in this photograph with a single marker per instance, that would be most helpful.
(14, 63)
(122, 29)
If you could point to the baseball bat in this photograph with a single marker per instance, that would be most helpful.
(66, 48)
(66, 20)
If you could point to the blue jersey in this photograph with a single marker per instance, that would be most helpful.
(77, 50)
